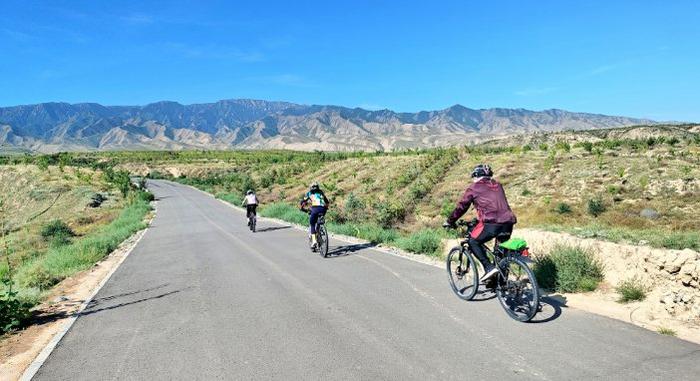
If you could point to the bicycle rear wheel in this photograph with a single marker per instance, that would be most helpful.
(253, 222)
(517, 289)
(462, 273)
(322, 241)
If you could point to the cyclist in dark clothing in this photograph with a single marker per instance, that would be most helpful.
(317, 202)
(495, 216)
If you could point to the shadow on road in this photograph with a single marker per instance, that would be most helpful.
(551, 307)
(90, 311)
(341, 251)
(272, 228)
(43, 317)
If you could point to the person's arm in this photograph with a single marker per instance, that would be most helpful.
(462, 206)
(244, 202)
(303, 201)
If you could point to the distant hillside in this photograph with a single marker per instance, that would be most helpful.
(245, 123)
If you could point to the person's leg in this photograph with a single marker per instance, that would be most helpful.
(313, 219)
(480, 235)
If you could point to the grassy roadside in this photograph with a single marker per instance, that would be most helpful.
(35, 277)
(55, 222)
(656, 238)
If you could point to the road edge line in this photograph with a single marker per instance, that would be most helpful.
(41, 358)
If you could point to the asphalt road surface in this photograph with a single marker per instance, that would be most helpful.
(203, 298)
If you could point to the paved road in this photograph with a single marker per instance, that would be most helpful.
(200, 297)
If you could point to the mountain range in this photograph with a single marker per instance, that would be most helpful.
(253, 124)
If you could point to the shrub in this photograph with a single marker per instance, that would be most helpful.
(354, 208)
(426, 241)
(666, 331)
(568, 269)
(13, 310)
(562, 208)
(631, 290)
(57, 231)
(446, 208)
(543, 147)
(596, 207)
(614, 189)
(526, 192)
(389, 212)
(564, 146)
(588, 146)
(146, 196)
(42, 162)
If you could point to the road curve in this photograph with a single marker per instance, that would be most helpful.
(201, 297)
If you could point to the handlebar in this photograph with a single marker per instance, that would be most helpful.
(468, 224)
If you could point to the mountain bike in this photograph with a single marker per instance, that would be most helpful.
(515, 285)
(321, 236)
(252, 221)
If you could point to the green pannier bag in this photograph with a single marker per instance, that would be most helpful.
(515, 244)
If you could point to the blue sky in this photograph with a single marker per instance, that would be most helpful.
(634, 58)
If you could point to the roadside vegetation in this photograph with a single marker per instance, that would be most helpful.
(568, 269)
(56, 219)
(631, 290)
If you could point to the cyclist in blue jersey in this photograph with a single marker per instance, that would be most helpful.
(317, 202)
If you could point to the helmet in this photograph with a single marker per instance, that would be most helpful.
(482, 170)
(314, 186)
(250, 191)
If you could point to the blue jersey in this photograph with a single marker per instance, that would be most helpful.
(315, 199)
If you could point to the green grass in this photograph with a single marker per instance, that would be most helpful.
(666, 331)
(231, 198)
(367, 231)
(39, 274)
(426, 241)
(568, 269)
(631, 290)
(284, 211)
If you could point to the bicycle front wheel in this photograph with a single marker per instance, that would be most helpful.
(322, 239)
(517, 289)
(462, 273)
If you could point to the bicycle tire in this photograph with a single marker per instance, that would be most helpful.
(253, 222)
(464, 289)
(322, 241)
(510, 291)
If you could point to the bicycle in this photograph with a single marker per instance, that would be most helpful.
(515, 285)
(252, 221)
(321, 236)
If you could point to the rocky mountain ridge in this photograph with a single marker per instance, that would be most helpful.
(247, 123)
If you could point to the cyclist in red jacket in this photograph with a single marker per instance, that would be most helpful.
(495, 216)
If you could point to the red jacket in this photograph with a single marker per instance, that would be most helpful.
(490, 202)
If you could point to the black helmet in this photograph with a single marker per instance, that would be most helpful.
(482, 170)
(250, 191)
(314, 186)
